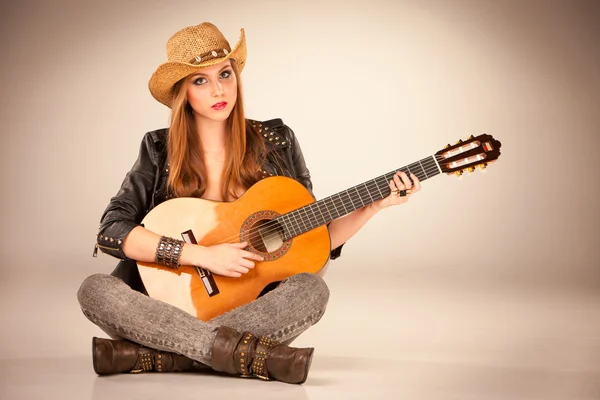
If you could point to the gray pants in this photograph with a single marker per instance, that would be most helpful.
(281, 314)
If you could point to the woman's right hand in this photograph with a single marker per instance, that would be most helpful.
(227, 259)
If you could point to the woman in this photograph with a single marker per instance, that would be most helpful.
(210, 151)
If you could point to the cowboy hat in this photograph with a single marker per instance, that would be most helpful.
(189, 50)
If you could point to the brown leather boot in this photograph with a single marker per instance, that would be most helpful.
(117, 356)
(248, 355)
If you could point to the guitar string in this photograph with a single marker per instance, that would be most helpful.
(254, 232)
(260, 231)
(264, 230)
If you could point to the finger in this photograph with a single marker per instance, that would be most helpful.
(246, 263)
(398, 182)
(406, 180)
(393, 188)
(241, 270)
(251, 256)
(234, 274)
(401, 179)
(240, 245)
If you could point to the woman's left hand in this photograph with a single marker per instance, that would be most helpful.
(400, 182)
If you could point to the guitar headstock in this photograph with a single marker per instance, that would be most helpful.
(467, 155)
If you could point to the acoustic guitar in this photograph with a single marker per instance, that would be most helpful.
(281, 221)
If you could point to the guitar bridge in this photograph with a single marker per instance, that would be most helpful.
(205, 275)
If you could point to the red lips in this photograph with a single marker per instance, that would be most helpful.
(219, 106)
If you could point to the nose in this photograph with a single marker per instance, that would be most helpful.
(217, 89)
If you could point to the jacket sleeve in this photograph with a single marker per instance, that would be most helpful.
(127, 208)
(303, 176)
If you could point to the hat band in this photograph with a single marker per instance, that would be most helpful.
(209, 56)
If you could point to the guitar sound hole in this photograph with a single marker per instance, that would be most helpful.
(266, 236)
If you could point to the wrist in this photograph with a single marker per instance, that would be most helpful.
(194, 255)
(190, 254)
(168, 252)
(374, 208)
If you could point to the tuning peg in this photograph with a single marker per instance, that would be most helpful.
(459, 173)
(459, 141)
(471, 137)
(447, 146)
(471, 169)
(483, 166)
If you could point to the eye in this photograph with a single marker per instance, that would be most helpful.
(225, 74)
(200, 81)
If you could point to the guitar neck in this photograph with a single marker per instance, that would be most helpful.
(333, 207)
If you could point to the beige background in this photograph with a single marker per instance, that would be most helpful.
(367, 87)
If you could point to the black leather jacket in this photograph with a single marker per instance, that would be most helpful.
(144, 187)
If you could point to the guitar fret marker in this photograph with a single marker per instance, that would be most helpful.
(343, 205)
(321, 212)
(377, 185)
(423, 169)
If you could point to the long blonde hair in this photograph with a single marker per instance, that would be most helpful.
(244, 149)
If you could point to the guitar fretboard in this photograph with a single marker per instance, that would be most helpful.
(326, 210)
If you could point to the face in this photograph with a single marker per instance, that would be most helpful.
(212, 92)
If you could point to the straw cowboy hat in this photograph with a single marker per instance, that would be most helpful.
(189, 50)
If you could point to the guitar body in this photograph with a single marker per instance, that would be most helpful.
(212, 222)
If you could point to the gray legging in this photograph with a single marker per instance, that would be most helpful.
(282, 314)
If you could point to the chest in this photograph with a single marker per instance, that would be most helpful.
(214, 182)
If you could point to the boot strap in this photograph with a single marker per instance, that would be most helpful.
(147, 362)
(259, 363)
(242, 357)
